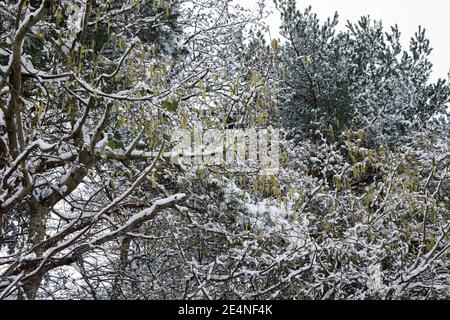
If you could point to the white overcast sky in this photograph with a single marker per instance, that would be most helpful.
(434, 15)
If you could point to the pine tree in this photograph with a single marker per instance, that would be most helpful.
(359, 78)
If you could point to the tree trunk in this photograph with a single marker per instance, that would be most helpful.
(124, 250)
(36, 235)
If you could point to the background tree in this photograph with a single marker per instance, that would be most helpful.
(358, 78)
